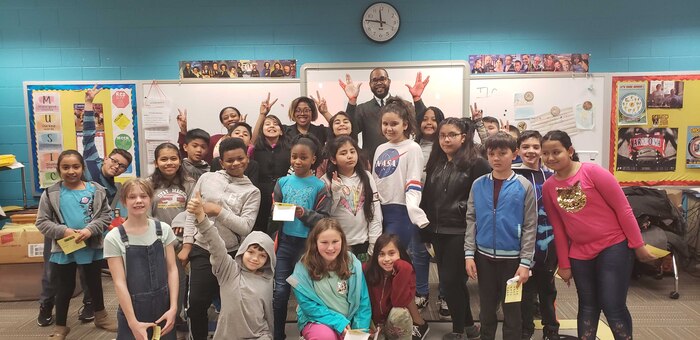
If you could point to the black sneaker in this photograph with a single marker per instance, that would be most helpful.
(86, 313)
(420, 331)
(550, 334)
(444, 312)
(45, 317)
(472, 332)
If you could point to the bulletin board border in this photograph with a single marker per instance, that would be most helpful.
(30, 86)
(631, 77)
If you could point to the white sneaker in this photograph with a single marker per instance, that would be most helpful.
(444, 311)
(421, 301)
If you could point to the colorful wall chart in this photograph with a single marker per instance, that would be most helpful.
(655, 130)
(55, 119)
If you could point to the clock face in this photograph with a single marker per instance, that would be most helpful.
(381, 22)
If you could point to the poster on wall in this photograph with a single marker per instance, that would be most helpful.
(665, 94)
(55, 120)
(692, 159)
(647, 149)
(631, 103)
(207, 69)
(528, 63)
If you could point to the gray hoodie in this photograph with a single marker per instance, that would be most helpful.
(239, 200)
(50, 221)
(246, 297)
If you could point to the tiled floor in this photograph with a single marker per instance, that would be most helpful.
(655, 315)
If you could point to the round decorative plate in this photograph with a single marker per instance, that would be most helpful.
(631, 105)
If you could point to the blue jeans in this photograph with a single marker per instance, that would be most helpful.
(289, 250)
(601, 284)
(421, 263)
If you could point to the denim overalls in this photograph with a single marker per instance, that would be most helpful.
(147, 281)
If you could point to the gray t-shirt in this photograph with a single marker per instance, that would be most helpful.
(113, 245)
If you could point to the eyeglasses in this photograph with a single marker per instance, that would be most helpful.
(121, 166)
(450, 136)
(378, 80)
(305, 110)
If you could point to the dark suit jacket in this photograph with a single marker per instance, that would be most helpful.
(365, 118)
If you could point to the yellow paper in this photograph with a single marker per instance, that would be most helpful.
(513, 292)
(156, 333)
(356, 334)
(68, 244)
(658, 252)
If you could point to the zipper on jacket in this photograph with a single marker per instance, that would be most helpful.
(382, 296)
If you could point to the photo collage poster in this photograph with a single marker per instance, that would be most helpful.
(529, 63)
(208, 69)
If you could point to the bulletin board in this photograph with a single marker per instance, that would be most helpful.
(446, 89)
(203, 100)
(54, 123)
(572, 103)
(655, 130)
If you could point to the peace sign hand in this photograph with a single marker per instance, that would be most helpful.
(91, 94)
(182, 120)
(266, 106)
(320, 103)
(476, 113)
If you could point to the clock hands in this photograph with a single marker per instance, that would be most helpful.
(381, 22)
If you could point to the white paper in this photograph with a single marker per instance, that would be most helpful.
(283, 212)
(356, 335)
(151, 146)
(157, 134)
(99, 143)
(16, 165)
(156, 117)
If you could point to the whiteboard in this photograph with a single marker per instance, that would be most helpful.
(556, 103)
(204, 99)
(446, 90)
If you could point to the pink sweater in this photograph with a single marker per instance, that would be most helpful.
(592, 218)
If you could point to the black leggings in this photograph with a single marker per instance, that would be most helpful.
(64, 274)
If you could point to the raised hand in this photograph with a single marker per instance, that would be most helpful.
(91, 94)
(320, 103)
(243, 118)
(352, 90)
(417, 89)
(505, 125)
(266, 106)
(182, 120)
(476, 113)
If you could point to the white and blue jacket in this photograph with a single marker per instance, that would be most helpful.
(506, 230)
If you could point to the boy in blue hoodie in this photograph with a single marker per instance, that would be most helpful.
(500, 237)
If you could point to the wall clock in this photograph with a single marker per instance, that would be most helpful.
(380, 22)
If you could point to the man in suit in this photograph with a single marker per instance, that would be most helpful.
(365, 117)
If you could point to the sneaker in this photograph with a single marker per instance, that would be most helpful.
(453, 336)
(45, 317)
(550, 334)
(86, 313)
(420, 331)
(444, 311)
(421, 301)
(472, 332)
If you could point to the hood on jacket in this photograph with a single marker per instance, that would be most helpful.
(265, 242)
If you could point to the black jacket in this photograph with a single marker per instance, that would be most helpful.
(445, 196)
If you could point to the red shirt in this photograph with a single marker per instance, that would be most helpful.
(395, 290)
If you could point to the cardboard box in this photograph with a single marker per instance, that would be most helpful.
(21, 243)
